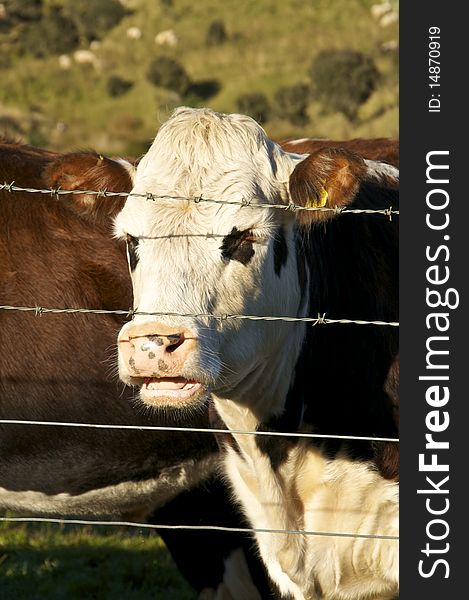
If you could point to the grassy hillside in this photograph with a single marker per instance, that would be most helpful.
(269, 44)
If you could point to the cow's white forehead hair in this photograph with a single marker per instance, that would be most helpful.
(199, 152)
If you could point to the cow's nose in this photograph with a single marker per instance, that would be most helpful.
(155, 342)
(156, 354)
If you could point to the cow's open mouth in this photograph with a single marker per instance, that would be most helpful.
(169, 388)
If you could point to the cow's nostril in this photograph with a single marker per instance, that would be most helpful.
(175, 341)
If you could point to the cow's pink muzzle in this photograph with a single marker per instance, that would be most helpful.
(155, 356)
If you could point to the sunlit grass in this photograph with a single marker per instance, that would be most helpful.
(71, 562)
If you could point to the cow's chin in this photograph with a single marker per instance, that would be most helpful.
(172, 392)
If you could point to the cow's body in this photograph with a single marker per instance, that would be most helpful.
(195, 258)
(382, 149)
(56, 367)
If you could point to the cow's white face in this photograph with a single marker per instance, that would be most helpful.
(204, 258)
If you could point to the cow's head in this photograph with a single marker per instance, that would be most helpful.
(202, 258)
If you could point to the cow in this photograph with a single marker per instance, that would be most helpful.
(224, 228)
(57, 251)
(379, 149)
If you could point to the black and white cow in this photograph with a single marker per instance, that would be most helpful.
(225, 258)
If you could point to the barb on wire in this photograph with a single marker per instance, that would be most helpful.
(10, 187)
(319, 320)
(389, 212)
(371, 536)
(199, 430)
(55, 193)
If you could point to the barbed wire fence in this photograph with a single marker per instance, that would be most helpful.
(389, 212)
(246, 202)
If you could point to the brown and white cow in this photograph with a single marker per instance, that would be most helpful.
(381, 149)
(203, 258)
(59, 252)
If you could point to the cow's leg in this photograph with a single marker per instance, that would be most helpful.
(219, 565)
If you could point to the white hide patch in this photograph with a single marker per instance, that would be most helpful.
(237, 583)
(312, 493)
(127, 498)
(382, 171)
(299, 141)
(129, 167)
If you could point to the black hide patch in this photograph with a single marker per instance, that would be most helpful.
(301, 266)
(235, 246)
(132, 245)
(280, 251)
(275, 447)
(224, 440)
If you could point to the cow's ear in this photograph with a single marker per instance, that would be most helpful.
(90, 171)
(328, 178)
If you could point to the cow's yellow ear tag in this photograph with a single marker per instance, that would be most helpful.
(319, 202)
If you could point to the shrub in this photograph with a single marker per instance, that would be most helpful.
(343, 80)
(201, 90)
(24, 10)
(94, 19)
(116, 86)
(292, 102)
(167, 73)
(255, 105)
(54, 34)
(10, 128)
(216, 33)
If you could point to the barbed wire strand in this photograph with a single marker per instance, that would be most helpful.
(319, 320)
(196, 430)
(197, 527)
(389, 212)
(55, 193)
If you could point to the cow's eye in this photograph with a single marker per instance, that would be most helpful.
(132, 245)
(238, 245)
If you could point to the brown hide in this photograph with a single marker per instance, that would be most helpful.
(61, 367)
(59, 252)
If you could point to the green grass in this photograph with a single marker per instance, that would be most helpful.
(270, 43)
(56, 562)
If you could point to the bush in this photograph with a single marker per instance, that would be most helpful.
(343, 80)
(94, 18)
(116, 86)
(24, 10)
(54, 34)
(255, 105)
(292, 102)
(216, 33)
(200, 91)
(10, 128)
(167, 73)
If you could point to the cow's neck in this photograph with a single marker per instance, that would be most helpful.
(262, 395)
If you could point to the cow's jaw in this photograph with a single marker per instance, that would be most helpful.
(261, 394)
